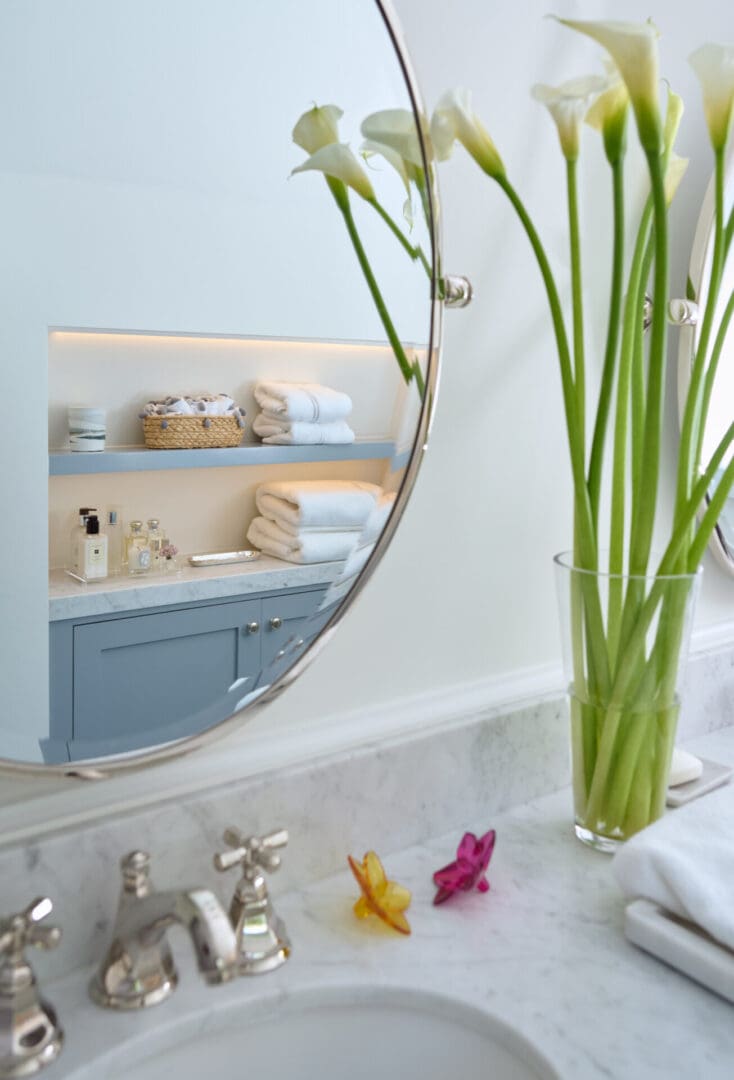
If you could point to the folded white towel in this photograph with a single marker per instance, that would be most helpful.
(309, 546)
(275, 431)
(685, 863)
(339, 504)
(303, 401)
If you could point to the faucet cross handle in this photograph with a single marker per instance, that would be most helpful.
(251, 852)
(23, 929)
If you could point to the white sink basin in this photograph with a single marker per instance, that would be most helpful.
(355, 1033)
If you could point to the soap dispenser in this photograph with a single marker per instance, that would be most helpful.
(91, 559)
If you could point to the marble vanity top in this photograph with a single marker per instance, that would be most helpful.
(69, 599)
(544, 951)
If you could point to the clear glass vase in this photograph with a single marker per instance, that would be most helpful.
(625, 643)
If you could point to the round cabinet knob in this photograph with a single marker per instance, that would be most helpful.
(252, 627)
(276, 622)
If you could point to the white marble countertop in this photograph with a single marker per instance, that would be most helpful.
(543, 951)
(69, 599)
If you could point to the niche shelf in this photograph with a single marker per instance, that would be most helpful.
(141, 459)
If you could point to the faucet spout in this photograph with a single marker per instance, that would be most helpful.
(139, 969)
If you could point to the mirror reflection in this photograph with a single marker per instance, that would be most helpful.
(222, 375)
(722, 336)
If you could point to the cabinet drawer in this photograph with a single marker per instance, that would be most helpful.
(138, 674)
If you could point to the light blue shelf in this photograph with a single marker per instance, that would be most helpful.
(139, 459)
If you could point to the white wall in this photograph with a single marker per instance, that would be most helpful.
(465, 592)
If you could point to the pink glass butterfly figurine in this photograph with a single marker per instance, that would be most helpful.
(469, 869)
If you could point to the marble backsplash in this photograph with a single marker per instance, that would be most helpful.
(388, 794)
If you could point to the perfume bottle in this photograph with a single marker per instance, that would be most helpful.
(156, 541)
(115, 542)
(91, 558)
(137, 552)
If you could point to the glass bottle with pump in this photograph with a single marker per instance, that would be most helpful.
(77, 532)
(137, 551)
(91, 552)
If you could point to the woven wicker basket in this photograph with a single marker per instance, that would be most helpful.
(191, 432)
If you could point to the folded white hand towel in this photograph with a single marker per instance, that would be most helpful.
(275, 431)
(333, 503)
(303, 401)
(685, 863)
(308, 547)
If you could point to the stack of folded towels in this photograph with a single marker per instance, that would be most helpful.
(307, 414)
(308, 521)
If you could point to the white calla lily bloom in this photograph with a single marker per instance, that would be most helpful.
(568, 104)
(317, 127)
(396, 129)
(714, 67)
(634, 49)
(676, 171)
(370, 148)
(338, 161)
(454, 118)
(608, 114)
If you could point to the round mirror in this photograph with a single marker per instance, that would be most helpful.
(219, 332)
(721, 337)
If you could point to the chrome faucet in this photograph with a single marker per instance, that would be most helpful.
(30, 1035)
(138, 969)
(261, 936)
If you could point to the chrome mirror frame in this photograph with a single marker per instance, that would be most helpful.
(452, 292)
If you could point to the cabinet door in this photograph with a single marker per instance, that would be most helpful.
(285, 618)
(172, 673)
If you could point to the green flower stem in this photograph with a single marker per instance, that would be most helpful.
(610, 353)
(583, 530)
(341, 196)
(577, 297)
(712, 369)
(631, 327)
(642, 529)
(693, 421)
(414, 251)
(638, 381)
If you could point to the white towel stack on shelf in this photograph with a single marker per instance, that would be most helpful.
(302, 414)
(308, 521)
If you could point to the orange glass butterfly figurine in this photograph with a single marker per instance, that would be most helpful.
(380, 897)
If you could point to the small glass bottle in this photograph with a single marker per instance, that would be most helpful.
(115, 543)
(156, 541)
(137, 552)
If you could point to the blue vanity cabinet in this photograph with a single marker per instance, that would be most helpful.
(133, 679)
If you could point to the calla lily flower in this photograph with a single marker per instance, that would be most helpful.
(396, 129)
(454, 119)
(568, 104)
(673, 117)
(675, 172)
(405, 170)
(608, 114)
(634, 49)
(338, 161)
(317, 127)
(714, 68)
